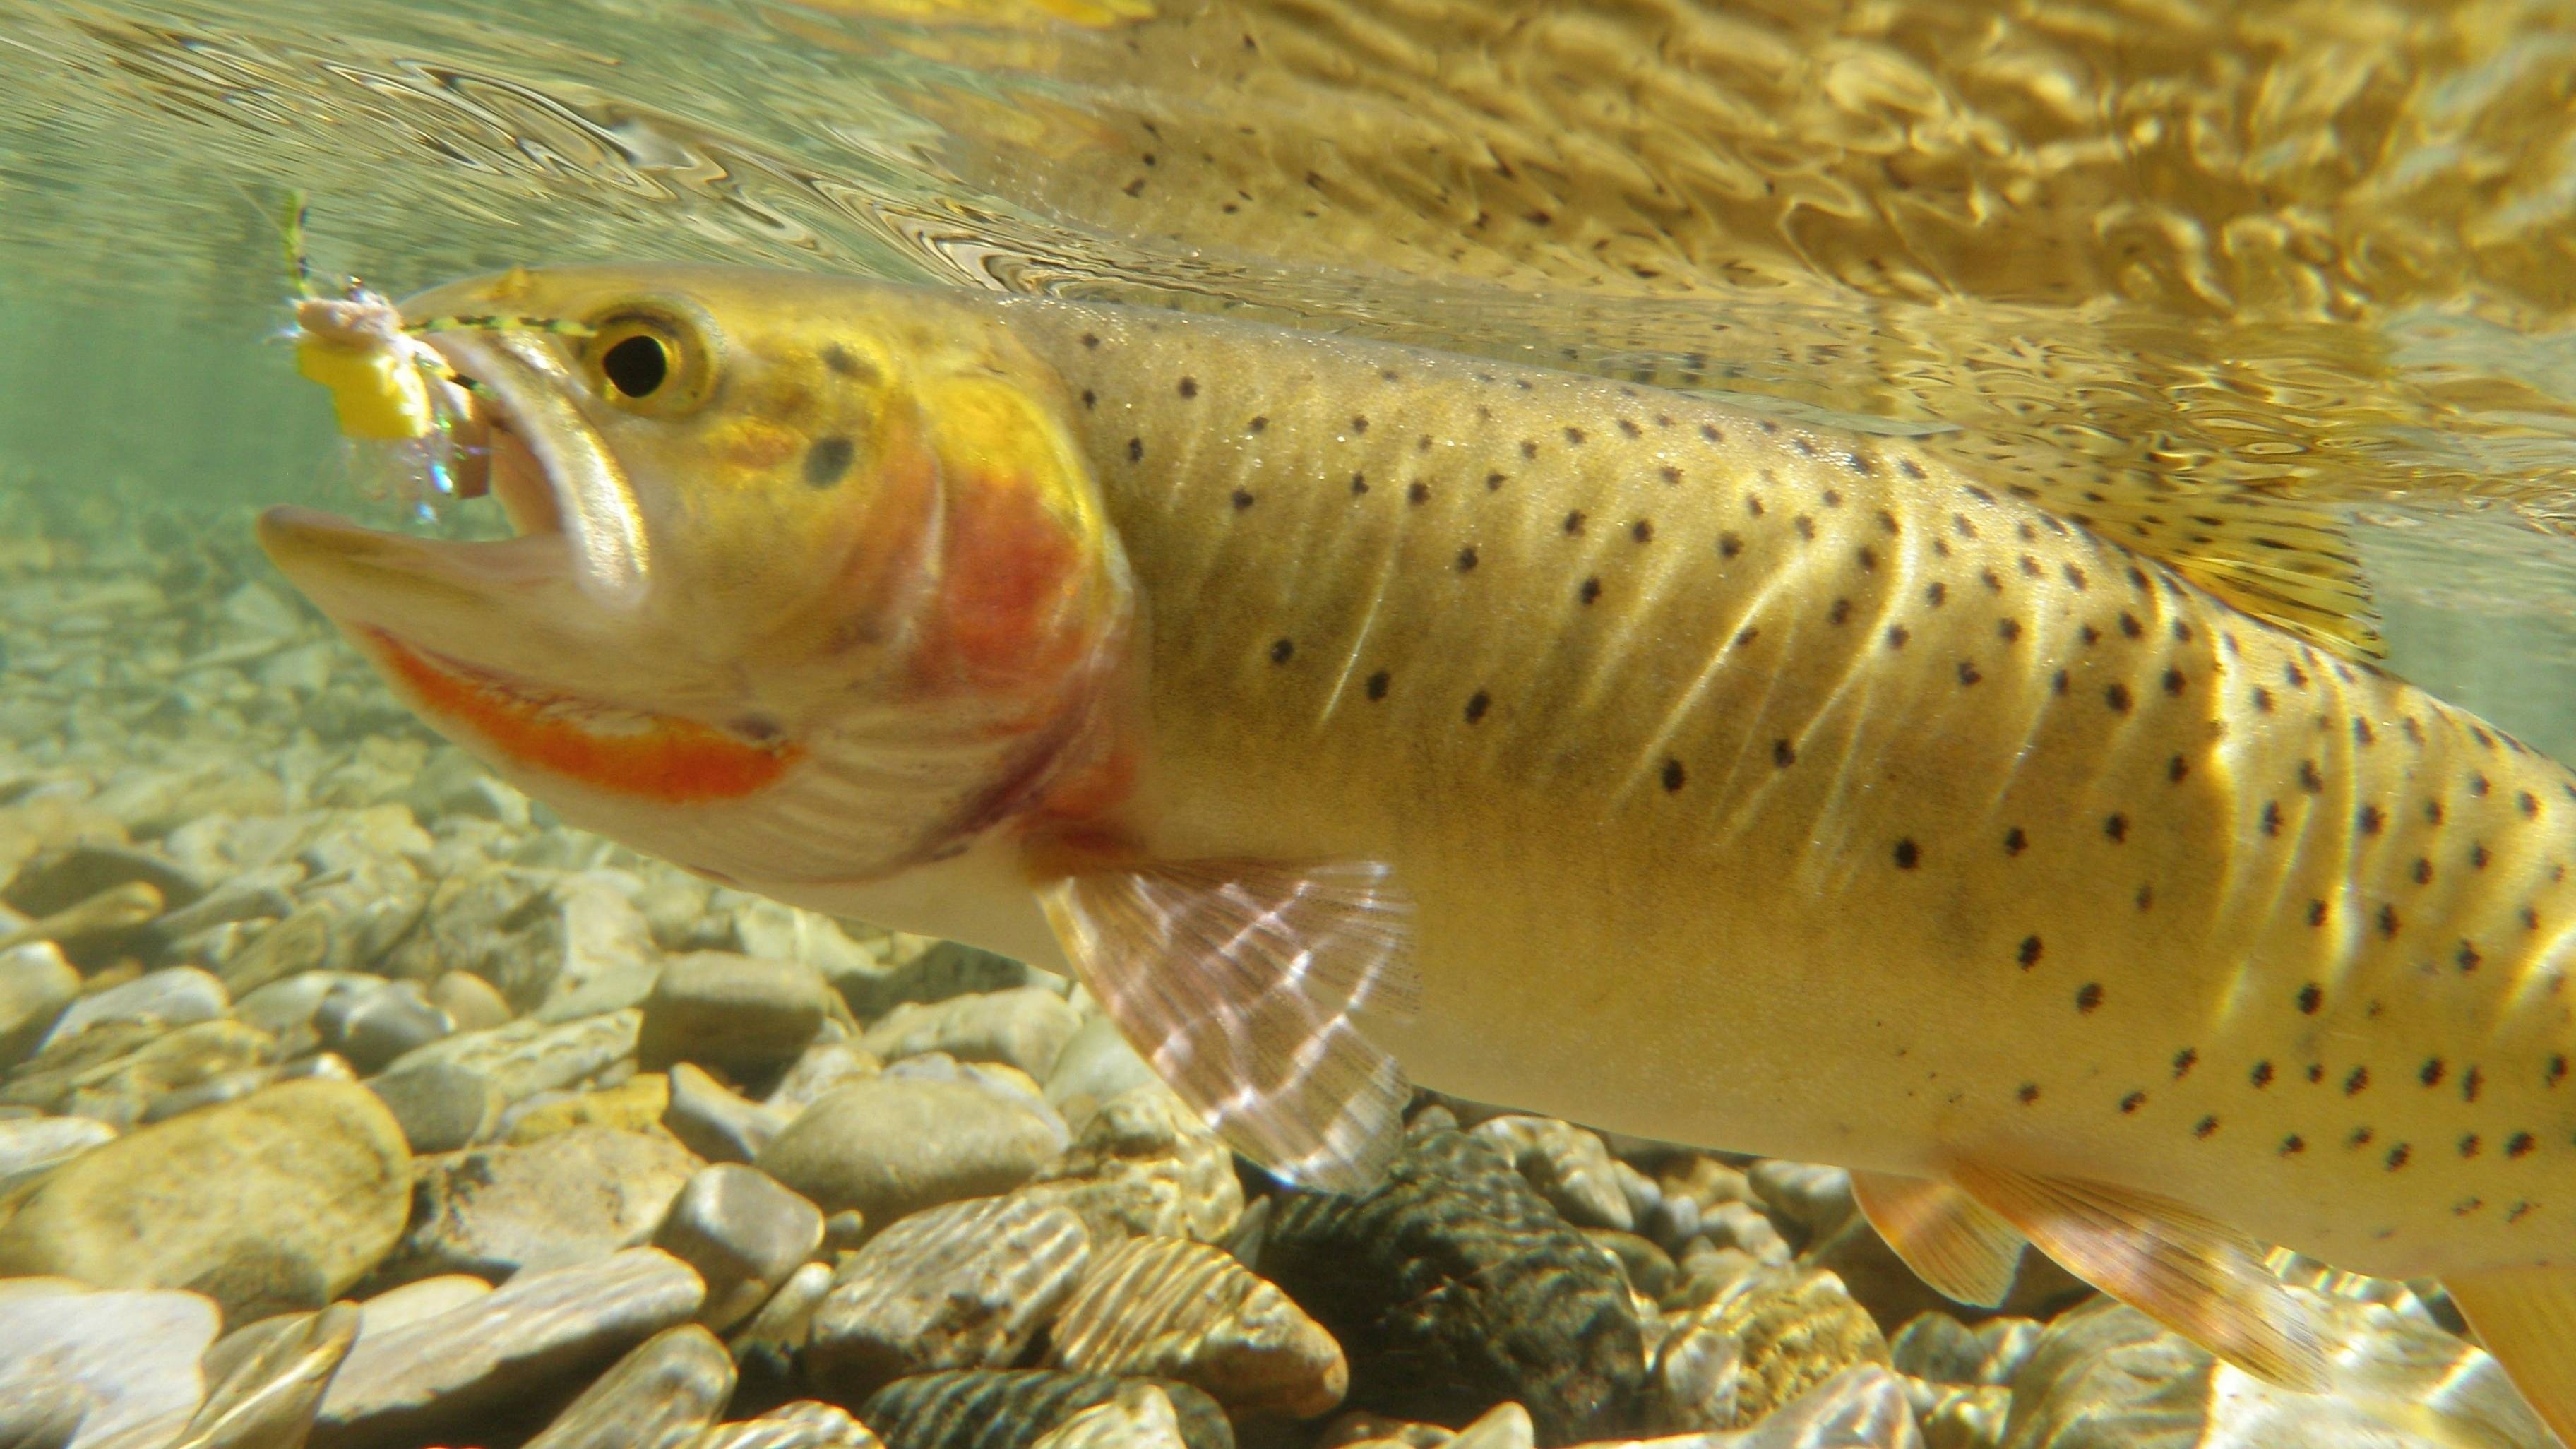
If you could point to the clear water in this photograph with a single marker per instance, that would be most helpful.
(2315, 248)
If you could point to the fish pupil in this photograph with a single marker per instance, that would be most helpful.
(636, 366)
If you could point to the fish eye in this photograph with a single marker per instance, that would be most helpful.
(647, 360)
(637, 365)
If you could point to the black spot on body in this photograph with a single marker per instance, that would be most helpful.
(2205, 1126)
(1377, 684)
(1588, 591)
(2431, 1073)
(2261, 1076)
(2184, 1061)
(2015, 842)
(2116, 827)
(1643, 530)
(1477, 704)
(1282, 650)
(2117, 697)
(2293, 1145)
(1135, 450)
(1417, 493)
(2311, 997)
(2029, 952)
(827, 461)
(2088, 998)
(1908, 855)
(1467, 559)
(1783, 754)
(1673, 776)
(1242, 499)
(1189, 387)
(2356, 1081)
(1574, 523)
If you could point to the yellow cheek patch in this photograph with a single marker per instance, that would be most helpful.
(654, 757)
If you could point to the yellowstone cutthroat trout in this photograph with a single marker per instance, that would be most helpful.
(1346, 715)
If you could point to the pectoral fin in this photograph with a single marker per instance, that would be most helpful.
(1961, 1249)
(2200, 1278)
(1245, 983)
(2528, 1319)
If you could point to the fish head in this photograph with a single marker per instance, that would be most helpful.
(809, 580)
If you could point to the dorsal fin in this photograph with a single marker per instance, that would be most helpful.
(2287, 562)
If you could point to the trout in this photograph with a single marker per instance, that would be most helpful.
(1346, 715)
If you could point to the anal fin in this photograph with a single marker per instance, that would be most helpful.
(2198, 1277)
(2527, 1317)
(1961, 1249)
(1245, 984)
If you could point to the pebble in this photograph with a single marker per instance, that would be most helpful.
(33, 1146)
(1453, 1286)
(1859, 1408)
(1936, 1347)
(227, 904)
(771, 1348)
(889, 1148)
(1025, 1027)
(181, 996)
(966, 1285)
(1570, 1167)
(471, 1002)
(1140, 1417)
(2105, 1376)
(824, 1068)
(267, 1398)
(36, 984)
(442, 1107)
(422, 1298)
(1014, 1408)
(97, 930)
(375, 1027)
(1171, 1308)
(659, 1396)
(89, 1370)
(605, 959)
(1811, 1200)
(286, 1006)
(520, 1343)
(743, 1233)
(299, 944)
(118, 1089)
(714, 1122)
(229, 1087)
(1146, 1166)
(1504, 1426)
(1006, 1082)
(61, 879)
(316, 1188)
(1693, 1384)
(740, 1014)
(1095, 1065)
(527, 1057)
(637, 1104)
(804, 1424)
(936, 971)
(577, 1196)
(1797, 1327)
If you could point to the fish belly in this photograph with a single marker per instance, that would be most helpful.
(1787, 791)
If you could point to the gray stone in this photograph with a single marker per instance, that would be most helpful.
(227, 904)
(417, 1300)
(471, 1002)
(1145, 1166)
(1170, 1308)
(824, 1068)
(36, 984)
(605, 957)
(743, 1233)
(528, 1056)
(715, 1123)
(284, 1005)
(374, 1028)
(442, 1107)
(874, 986)
(1859, 1408)
(30, 1147)
(520, 1343)
(1569, 1166)
(2105, 1375)
(1797, 1326)
(577, 1195)
(1013, 1408)
(1809, 1199)
(268, 1398)
(61, 879)
(180, 996)
(99, 1370)
(136, 1062)
(1141, 1417)
(1025, 1027)
(1691, 1387)
(1008, 1083)
(455, 783)
(315, 1188)
(961, 1286)
(301, 943)
(657, 1397)
(1452, 1286)
(1937, 1348)
(804, 1424)
(1095, 1065)
(739, 1014)
(214, 1091)
(771, 1347)
(889, 1148)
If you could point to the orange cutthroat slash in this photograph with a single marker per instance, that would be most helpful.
(658, 757)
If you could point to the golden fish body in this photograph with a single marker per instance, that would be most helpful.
(1750, 785)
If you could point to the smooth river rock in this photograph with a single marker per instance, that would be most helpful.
(893, 1147)
(965, 1285)
(743, 1233)
(741, 1014)
(568, 1198)
(529, 1343)
(91, 1370)
(314, 1187)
